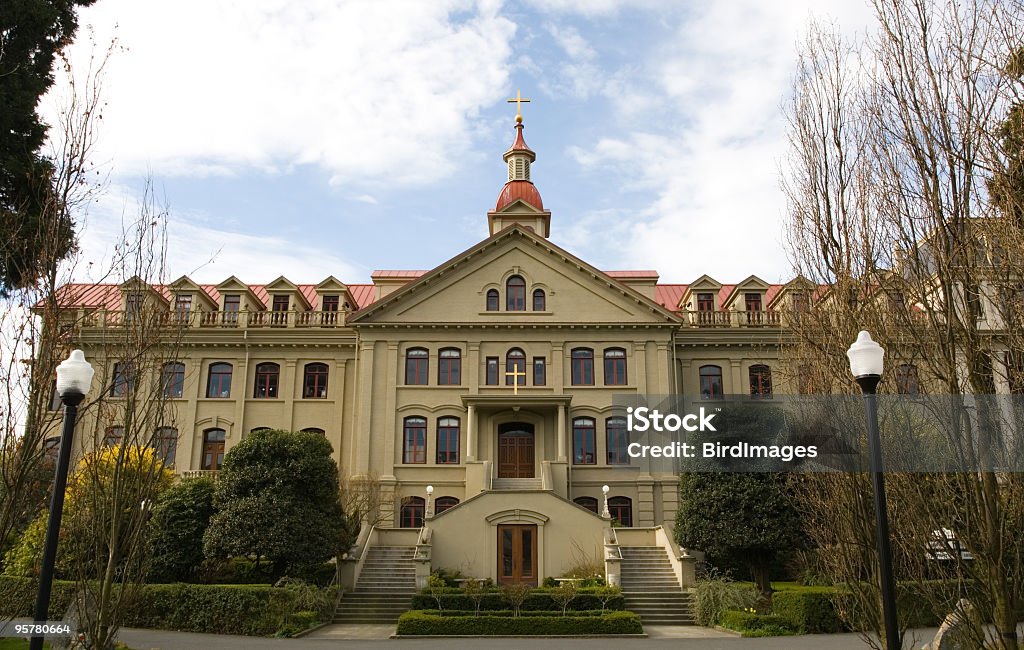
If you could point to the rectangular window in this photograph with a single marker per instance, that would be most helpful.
(182, 306)
(124, 379)
(173, 380)
(540, 377)
(584, 443)
(448, 441)
(280, 303)
(330, 303)
(705, 302)
(414, 449)
(232, 305)
(132, 306)
(753, 301)
(582, 367)
(492, 371)
(618, 441)
(615, 367)
(449, 367)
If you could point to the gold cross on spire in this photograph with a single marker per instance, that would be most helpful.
(516, 373)
(518, 99)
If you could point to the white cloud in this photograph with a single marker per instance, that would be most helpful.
(206, 254)
(713, 165)
(369, 90)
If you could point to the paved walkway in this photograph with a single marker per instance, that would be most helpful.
(376, 637)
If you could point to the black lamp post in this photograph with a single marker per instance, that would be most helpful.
(74, 375)
(866, 364)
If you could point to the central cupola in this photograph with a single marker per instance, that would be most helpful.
(519, 201)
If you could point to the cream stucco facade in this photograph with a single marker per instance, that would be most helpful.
(372, 367)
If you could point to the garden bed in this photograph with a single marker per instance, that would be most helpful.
(529, 623)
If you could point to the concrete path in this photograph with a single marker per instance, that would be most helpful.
(375, 637)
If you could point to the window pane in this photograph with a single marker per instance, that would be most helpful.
(492, 371)
(583, 438)
(582, 367)
(416, 364)
(539, 371)
(539, 302)
(618, 441)
(515, 367)
(492, 300)
(515, 290)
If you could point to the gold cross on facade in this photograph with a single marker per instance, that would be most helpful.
(516, 373)
(518, 99)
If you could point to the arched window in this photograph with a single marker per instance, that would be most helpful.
(584, 442)
(614, 367)
(317, 430)
(219, 382)
(515, 293)
(165, 443)
(582, 367)
(621, 509)
(259, 429)
(414, 445)
(590, 503)
(314, 381)
(539, 300)
(412, 512)
(417, 363)
(449, 367)
(760, 381)
(213, 449)
(443, 503)
(618, 441)
(515, 367)
(492, 300)
(906, 379)
(267, 378)
(172, 380)
(711, 382)
(447, 441)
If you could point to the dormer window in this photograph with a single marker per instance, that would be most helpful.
(705, 302)
(752, 301)
(183, 304)
(330, 303)
(280, 303)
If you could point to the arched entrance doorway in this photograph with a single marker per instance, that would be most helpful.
(515, 450)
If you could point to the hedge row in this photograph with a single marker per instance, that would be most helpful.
(811, 610)
(421, 623)
(751, 624)
(815, 610)
(218, 609)
(538, 601)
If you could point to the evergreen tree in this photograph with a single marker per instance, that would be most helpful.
(277, 499)
(32, 32)
(740, 519)
(180, 519)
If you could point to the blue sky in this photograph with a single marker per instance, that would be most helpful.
(315, 138)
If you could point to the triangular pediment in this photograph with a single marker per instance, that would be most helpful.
(331, 284)
(234, 285)
(136, 285)
(703, 284)
(519, 205)
(750, 284)
(574, 292)
(185, 284)
(799, 284)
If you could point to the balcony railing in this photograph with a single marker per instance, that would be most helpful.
(218, 319)
(726, 318)
(198, 473)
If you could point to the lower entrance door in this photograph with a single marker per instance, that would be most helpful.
(517, 554)
(515, 450)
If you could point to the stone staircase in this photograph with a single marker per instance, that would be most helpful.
(385, 588)
(651, 589)
(516, 484)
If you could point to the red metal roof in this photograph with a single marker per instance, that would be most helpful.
(518, 190)
(632, 274)
(669, 295)
(396, 274)
(362, 294)
(520, 143)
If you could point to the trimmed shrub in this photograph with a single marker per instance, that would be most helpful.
(420, 623)
(811, 610)
(587, 598)
(217, 609)
(713, 597)
(752, 624)
(180, 518)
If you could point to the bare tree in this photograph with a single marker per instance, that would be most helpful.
(893, 144)
(33, 321)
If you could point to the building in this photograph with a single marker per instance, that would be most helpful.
(489, 378)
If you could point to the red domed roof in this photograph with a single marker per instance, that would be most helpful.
(516, 190)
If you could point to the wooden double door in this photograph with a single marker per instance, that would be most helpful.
(517, 554)
(515, 450)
